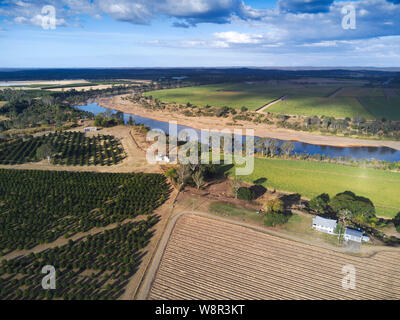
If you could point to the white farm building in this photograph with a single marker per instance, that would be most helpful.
(90, 129)
(324, 224)
(355, 235)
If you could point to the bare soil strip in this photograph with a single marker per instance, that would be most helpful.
(212, 259)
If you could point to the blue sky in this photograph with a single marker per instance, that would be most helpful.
(204, 33)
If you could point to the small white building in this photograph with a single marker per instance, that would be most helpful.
(355, 235)
(162, 159)
(324, 224)
(90, 129)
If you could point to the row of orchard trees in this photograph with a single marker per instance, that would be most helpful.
(96, 267)
(65, 148)
(41, 206)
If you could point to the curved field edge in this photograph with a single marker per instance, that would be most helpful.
(230, 95)
(313, 178)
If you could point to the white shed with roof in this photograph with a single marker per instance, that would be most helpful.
(355, 235)
(324, 224)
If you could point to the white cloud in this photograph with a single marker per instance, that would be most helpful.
(321, 44)
(238, 38)
(317, 24)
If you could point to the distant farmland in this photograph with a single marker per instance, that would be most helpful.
(321, 106)
(235, 96)
(382, 107)
(214, 260)
(313, 178)
(361, 92)
(252, 96)
(305, 100)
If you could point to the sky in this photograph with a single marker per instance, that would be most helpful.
(199, 33)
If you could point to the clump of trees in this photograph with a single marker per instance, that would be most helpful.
(275, 213)
(34, 108)
(320, 203)
(191, 174)
(345, 206)
(357, 126)
(396, 222)
(109, 119)
(245, 193)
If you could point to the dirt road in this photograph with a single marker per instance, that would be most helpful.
(262, 109)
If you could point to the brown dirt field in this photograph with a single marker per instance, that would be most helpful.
(260, 130)
(211, 259)
(99, 87)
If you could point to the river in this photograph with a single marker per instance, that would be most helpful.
(378, 153)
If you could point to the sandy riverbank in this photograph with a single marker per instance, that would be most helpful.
(261, 130)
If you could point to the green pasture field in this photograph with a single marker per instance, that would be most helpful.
(361, 92)
(250, 95)
(382, 107)
(234, 96)
(321, 106)
(313, 178)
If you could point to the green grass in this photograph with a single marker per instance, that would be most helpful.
(300, 226)
(235, 96)
(305, 100)
(383, 108)
(231, 210)
(361, 92)
(252, 96)
(321, 106)
(313, 178)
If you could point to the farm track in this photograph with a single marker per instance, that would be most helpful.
(262, 109)
(211, 259)
(335, 93)
(366, 108)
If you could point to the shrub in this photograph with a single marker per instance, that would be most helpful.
(273, 219)
(245, 194)
(396, 222)
(275, 205)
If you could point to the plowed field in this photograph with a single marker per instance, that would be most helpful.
(211, 259)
